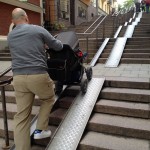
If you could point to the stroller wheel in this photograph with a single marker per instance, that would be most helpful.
(89, 73)
(58, 87)
(84, 84)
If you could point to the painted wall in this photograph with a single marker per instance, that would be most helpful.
(5, 17)
(35, 2)
(80, 12)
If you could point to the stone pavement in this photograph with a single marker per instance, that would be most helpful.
(4, 65)
(123, 70)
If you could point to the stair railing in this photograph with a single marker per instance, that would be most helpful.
(92, 24)
(86, 35)
(117, 20)
(4, 83)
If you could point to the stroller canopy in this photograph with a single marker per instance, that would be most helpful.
(69, 38)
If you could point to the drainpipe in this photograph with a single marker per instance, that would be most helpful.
(97, 7)
(41, 5)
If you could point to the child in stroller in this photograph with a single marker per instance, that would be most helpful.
(66, 66)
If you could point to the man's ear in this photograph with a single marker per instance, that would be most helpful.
(12, 21)
(27, 20)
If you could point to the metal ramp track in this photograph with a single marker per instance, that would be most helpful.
(117, 32)
(70, 131)
(116, 52)
(99, 52)
(34, 121)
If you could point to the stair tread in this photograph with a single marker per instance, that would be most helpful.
(127, 90)
(13, 108)
(121, 121)
(10, 124)
(106, 141)
(122, 104)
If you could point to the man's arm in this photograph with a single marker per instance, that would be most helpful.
(50, 41)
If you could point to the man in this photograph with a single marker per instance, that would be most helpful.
(137, 5)
(147, 2)
(27, 46)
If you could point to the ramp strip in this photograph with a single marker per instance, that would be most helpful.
(100, 50)
(72, 128)
(116, 52)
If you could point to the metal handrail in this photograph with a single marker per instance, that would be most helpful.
(2, 86)
(116, 23)
(94, 28)
(6, 71)
(92, 23)
(116, 13)
(88, 34)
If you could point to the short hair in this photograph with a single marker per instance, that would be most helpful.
(18, 14)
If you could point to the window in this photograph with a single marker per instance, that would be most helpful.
(81, 12)
(23, 0)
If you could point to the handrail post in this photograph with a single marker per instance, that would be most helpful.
(97, 37)
(113, 25)
(5, 118)
(87, 48)
(103, 29)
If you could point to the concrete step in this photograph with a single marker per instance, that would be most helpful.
(135, 61)
(101, 60)
(3, 144)
(126, 94)
(141, 27)
(10, 98)
(105, 55)
(136, 55)
(57, 116)
(142, 42)
(5, 59)
(145, 50)
(4, 54)
(12, 110)
(139, 39)
(127, 82)
(130, 109)
(136, 46)
(140, 35)
(120, 125)
(132, 47)
(100, 141)
(10, 127)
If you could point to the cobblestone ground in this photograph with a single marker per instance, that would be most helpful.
(123, 70)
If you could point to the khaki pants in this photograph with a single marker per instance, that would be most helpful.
(26, 87)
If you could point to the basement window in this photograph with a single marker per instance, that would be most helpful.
(23, 0)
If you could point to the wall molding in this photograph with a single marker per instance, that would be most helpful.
(24, 5)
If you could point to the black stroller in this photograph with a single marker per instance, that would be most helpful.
(66, 66)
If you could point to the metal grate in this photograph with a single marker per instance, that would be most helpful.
(100, 50)
(116, 52)
(72, 128)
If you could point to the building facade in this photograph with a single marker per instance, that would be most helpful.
(32, 7)
(51, 12)
(76, 11)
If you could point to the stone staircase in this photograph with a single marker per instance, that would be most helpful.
(137, 48)
(5, 55)
(137, 51)
(119, 121)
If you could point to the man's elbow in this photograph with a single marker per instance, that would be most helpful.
(59, 46)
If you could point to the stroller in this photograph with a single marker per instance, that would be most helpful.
(66, 66)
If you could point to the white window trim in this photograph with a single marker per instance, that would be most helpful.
(27, 6)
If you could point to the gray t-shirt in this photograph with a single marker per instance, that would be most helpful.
(26, 43)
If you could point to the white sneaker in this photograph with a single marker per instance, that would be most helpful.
(40, 134)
